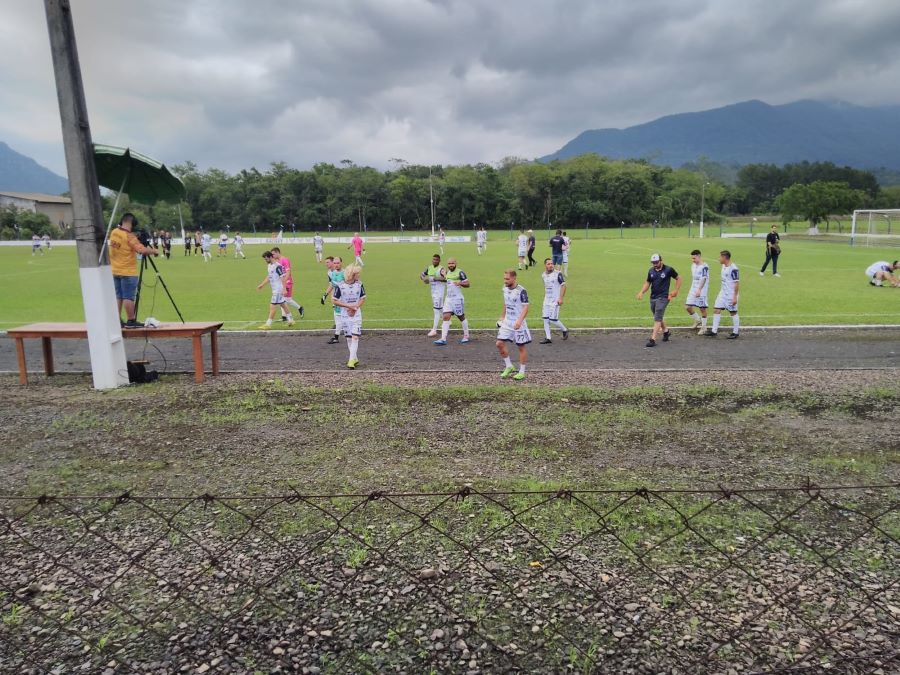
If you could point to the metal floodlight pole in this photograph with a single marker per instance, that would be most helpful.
(702, 206)
(431, 192)
(108, 364)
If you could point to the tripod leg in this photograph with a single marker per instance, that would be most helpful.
(165, 288)
(137, 296)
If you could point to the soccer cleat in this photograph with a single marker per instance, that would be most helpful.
(351, 364)
(762, 274)
(265, 326)
(284, 318)
(546, 341)
(301, 311)
(650, 343)
(776, 274)
(710, 333)
(334, 340)
(440, 343)
(355, 362)
(565, 335)
(432, 333)
(290, 322)
(519, 376)
(733, 336)
(509, 370)
(666, 336)
(322, 299)
(699, 328)
(465, 340)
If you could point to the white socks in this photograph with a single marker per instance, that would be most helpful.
(445, 328)
(465, 327)
(547, 328)
(735, 324)
(292, 303)
(703, 323)
(557, 323)
(507, 362)
(717, 318)
(521, 367)
(353, 344)
(437, 319)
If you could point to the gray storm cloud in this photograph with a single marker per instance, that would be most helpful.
(236, 84)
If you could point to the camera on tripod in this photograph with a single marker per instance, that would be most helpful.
(144, 237)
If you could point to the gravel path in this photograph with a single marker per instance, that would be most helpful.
(287, 351)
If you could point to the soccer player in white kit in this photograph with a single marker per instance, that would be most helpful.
(566, 246)
(442, 239)
(727, 298)
(205, 243)
(239, 246)
(698, 297)
(512, 326)
(274, 274)
(350, 295)
(454, 302)
(878, 273)
(481, 240)
(554, 293)
(318, 245)
(223, 245)
(433, 275)
(522, 249)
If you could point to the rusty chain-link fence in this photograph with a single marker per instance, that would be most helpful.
(798, 579)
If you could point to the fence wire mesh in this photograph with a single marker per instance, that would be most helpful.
(798, 579)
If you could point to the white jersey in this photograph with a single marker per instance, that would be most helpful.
(515, 300)
(875, 268)
(318, 242)
(442, 237)
(481, 236)
(275, 272)
(349, 293)
(238, 242)
(223, 239)
(730, 278)
(553, 283)
(455, 292)
(205, 241)
(699, 277)
(523, 244)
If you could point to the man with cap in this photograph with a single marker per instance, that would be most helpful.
(659, 279)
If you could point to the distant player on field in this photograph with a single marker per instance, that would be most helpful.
(188, 240)
(274, 275)
(878, 273)
(433, 275)
(727, 298)
(442, 239)
(659, 280)
(512, 326)
(532, 244)
(335, 276)
(554, 293)
(698, 297)
(454, 303)
(557, 243)
(522, 248)
(481, 240)
(239, 246)
(46, 240)
(223, 245)
(568, 244)
(318, 246)
(36, 245)
(205, 243)
(349, 296)
(357, 244)
(288, 281)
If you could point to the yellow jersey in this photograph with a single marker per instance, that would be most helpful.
(122, 250)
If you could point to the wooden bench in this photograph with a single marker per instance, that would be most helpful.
(47, 331)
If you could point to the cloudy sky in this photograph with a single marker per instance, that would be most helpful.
(234, 84)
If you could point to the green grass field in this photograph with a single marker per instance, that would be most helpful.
(820, 283)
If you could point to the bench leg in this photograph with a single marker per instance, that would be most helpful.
(198, 359)
(20, 357)
(214, 349)
(47, 348)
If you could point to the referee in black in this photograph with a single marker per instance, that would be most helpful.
(773, 250)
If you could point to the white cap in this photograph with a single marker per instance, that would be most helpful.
(655, 257)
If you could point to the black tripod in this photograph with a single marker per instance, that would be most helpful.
(137, 298)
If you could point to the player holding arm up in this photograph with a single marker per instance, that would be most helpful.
(433, 275)
(455, 303)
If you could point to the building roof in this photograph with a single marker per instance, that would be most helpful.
(37, 197)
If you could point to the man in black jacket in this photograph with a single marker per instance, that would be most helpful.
(773, 250)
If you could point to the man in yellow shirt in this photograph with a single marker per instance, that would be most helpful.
(123, 249)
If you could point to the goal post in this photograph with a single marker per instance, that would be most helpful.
(875, 227)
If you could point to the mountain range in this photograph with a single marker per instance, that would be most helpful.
(755, 132)
(19, 173)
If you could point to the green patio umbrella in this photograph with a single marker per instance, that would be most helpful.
(142, 178)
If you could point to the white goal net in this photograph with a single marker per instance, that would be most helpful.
(875, 227)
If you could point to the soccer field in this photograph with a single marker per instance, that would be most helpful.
(820, 284)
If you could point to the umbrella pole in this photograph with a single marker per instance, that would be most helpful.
(181, 220)
(112, 216)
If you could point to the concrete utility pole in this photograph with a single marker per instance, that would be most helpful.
(108, 364)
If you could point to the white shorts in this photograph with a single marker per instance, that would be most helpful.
(352, 325)
(692, 301)
(522, 253)
(520, 337)
(205, 249)
(277, 297)
(437, 299)
(722, 303)
(551, 311)
(455, 306)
